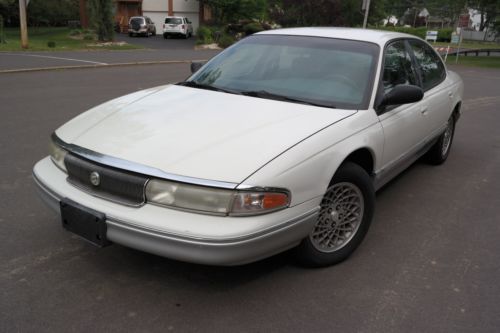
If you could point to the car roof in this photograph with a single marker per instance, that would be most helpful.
(369, 35)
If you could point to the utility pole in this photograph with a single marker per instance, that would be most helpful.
(22, 23)
(366, 7)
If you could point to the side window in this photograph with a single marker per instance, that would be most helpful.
(398, 68)
(431, 67)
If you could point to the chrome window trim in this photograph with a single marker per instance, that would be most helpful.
(137, 167)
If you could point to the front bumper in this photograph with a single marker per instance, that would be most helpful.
(185, 236)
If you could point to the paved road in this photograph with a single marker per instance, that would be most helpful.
(430, 263)
(159, 49)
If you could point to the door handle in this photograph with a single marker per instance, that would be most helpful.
(424, 110)
(450, 94)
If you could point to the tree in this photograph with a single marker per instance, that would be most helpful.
(228, 11)
(9, 10)
(52, 12)
(488, 9)
(101, 17)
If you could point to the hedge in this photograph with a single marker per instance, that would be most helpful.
(444, 35)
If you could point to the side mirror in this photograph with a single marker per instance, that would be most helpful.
(402, 94)
(195, 66)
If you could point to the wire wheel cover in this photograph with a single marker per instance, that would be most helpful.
(339, 218)
(447, 138)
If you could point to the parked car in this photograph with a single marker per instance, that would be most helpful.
(278, 142)
(177, 26)
(141, 25)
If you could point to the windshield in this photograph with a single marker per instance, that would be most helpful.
(325, 71)
(171, 20)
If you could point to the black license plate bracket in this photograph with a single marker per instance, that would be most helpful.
(84, 222)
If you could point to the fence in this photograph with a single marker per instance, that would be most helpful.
(480, 35)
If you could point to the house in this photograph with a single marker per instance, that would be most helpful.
(157, 10)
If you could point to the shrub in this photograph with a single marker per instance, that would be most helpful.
(75, 32)
(252, 28)
(88, 37)
(51, 44)
(204, 35)
(226, 41)
(444, 35)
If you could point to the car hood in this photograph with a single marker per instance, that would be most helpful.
(197, 133)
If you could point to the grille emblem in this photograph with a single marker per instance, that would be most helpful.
(95, 178)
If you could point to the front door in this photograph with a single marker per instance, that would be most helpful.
(403, 125)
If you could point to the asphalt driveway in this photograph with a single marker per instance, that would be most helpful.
(430, 263)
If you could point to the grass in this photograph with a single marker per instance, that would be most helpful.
(488, 62)
(470, 45)
(38, 39)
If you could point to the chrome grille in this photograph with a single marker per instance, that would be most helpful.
(114, 184)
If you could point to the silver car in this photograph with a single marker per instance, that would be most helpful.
(141, 25)
(278, 142)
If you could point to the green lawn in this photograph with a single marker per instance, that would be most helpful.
(470, 45)
(490, 62)
(39, 37)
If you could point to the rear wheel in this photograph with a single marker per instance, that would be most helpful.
(441, 149)
(165, 36)
(344, 218)
(154, 32)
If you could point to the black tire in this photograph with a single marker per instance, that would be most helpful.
(439, 152)
(154, 32)
(186, 36)
(350, 176)
(130, 34)
(165, 36)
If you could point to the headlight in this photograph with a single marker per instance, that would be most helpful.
(214, 200)
(57, 155)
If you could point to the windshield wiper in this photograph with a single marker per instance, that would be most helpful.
(277, 97)
(194, 84)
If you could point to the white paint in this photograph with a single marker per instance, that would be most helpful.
(58, 58)
(199, 130)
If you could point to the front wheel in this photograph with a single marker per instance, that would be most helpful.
(441, 149)
(344, 218)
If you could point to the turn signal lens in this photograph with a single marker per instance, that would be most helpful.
(258, 202)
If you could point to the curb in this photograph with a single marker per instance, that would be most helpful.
(121, 64)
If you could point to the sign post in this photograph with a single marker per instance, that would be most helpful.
(459, 33)
(366, 7)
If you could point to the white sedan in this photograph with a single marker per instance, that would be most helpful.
(278, 142)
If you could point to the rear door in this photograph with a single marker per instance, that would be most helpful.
(437, 95)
